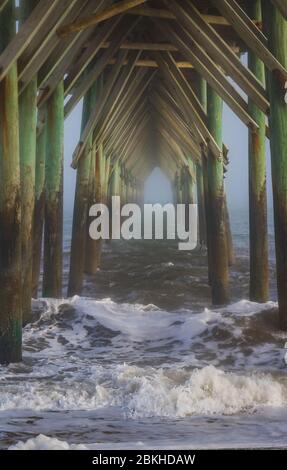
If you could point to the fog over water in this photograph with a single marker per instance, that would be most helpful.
(235, 136)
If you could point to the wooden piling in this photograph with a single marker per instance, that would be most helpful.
(218, 242)
(53, 234)
(200, 206)
(201, 89)
(81, 207)
(10, 204)
(229, 240)
(276, 29)
(27, 130)
(94, 247)
(123, 190)
(258, 232)
(39, 210)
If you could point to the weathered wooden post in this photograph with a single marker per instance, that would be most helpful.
(187, 192)
(229, 240)
(257, 183)
(218, 242)
(94, 247)
(200, 206)
(276, 29)
(113, 190)
(53, 234)
(123, 190)
(27, 130)
(10, 204)
(39, 210)
(201, 88)
(81, 207)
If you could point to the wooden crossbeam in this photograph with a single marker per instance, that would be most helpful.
(129, 103)
(3, 4)
(215, 20)
(25, 35)
(49, 45)
(173, 120)
(117, 91)
(112, 140)
(61, 56)
(88, 22)
(206, 37)
(133, 137)
(125, 106)
(34, 53)
(149, 63)
(123, 31)
(282, 6)
(183, 99)
(113, 75)
(195, 106)
(89, 54)
(166, 14)
(230, 9)
(179, 134)
(210, 72)
(144, 46)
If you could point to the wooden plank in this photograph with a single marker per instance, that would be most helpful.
(3, 4)
(195, 106)
(162, 13)
(88, 22)
(173, 120)
(126, 104)
(230, 10)
(122, 32)
(183, 100)
(65, 51)
(97, 111)
(89, 54)
(144, 46)
(210, 72)
(125, 114)
(206, 37)
(118, 89)
(36, 51)
(112, 142)
(149, 63)
(25, 35)
(129, 103)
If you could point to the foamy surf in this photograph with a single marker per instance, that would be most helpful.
(148, 392)
(144, 363)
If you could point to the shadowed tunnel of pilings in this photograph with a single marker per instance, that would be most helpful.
(146, 103)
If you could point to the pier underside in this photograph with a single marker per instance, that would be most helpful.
(153, 77)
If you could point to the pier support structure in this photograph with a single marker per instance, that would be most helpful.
(276, 29)
(81, 206)
(10, 204)
(259, 285)
(217, 226)
(53, 234)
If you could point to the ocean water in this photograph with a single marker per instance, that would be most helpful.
(142, 360)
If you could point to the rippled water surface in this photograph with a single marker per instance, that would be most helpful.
(142, 359)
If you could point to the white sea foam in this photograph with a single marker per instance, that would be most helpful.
(148, 392)
(78, 348)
